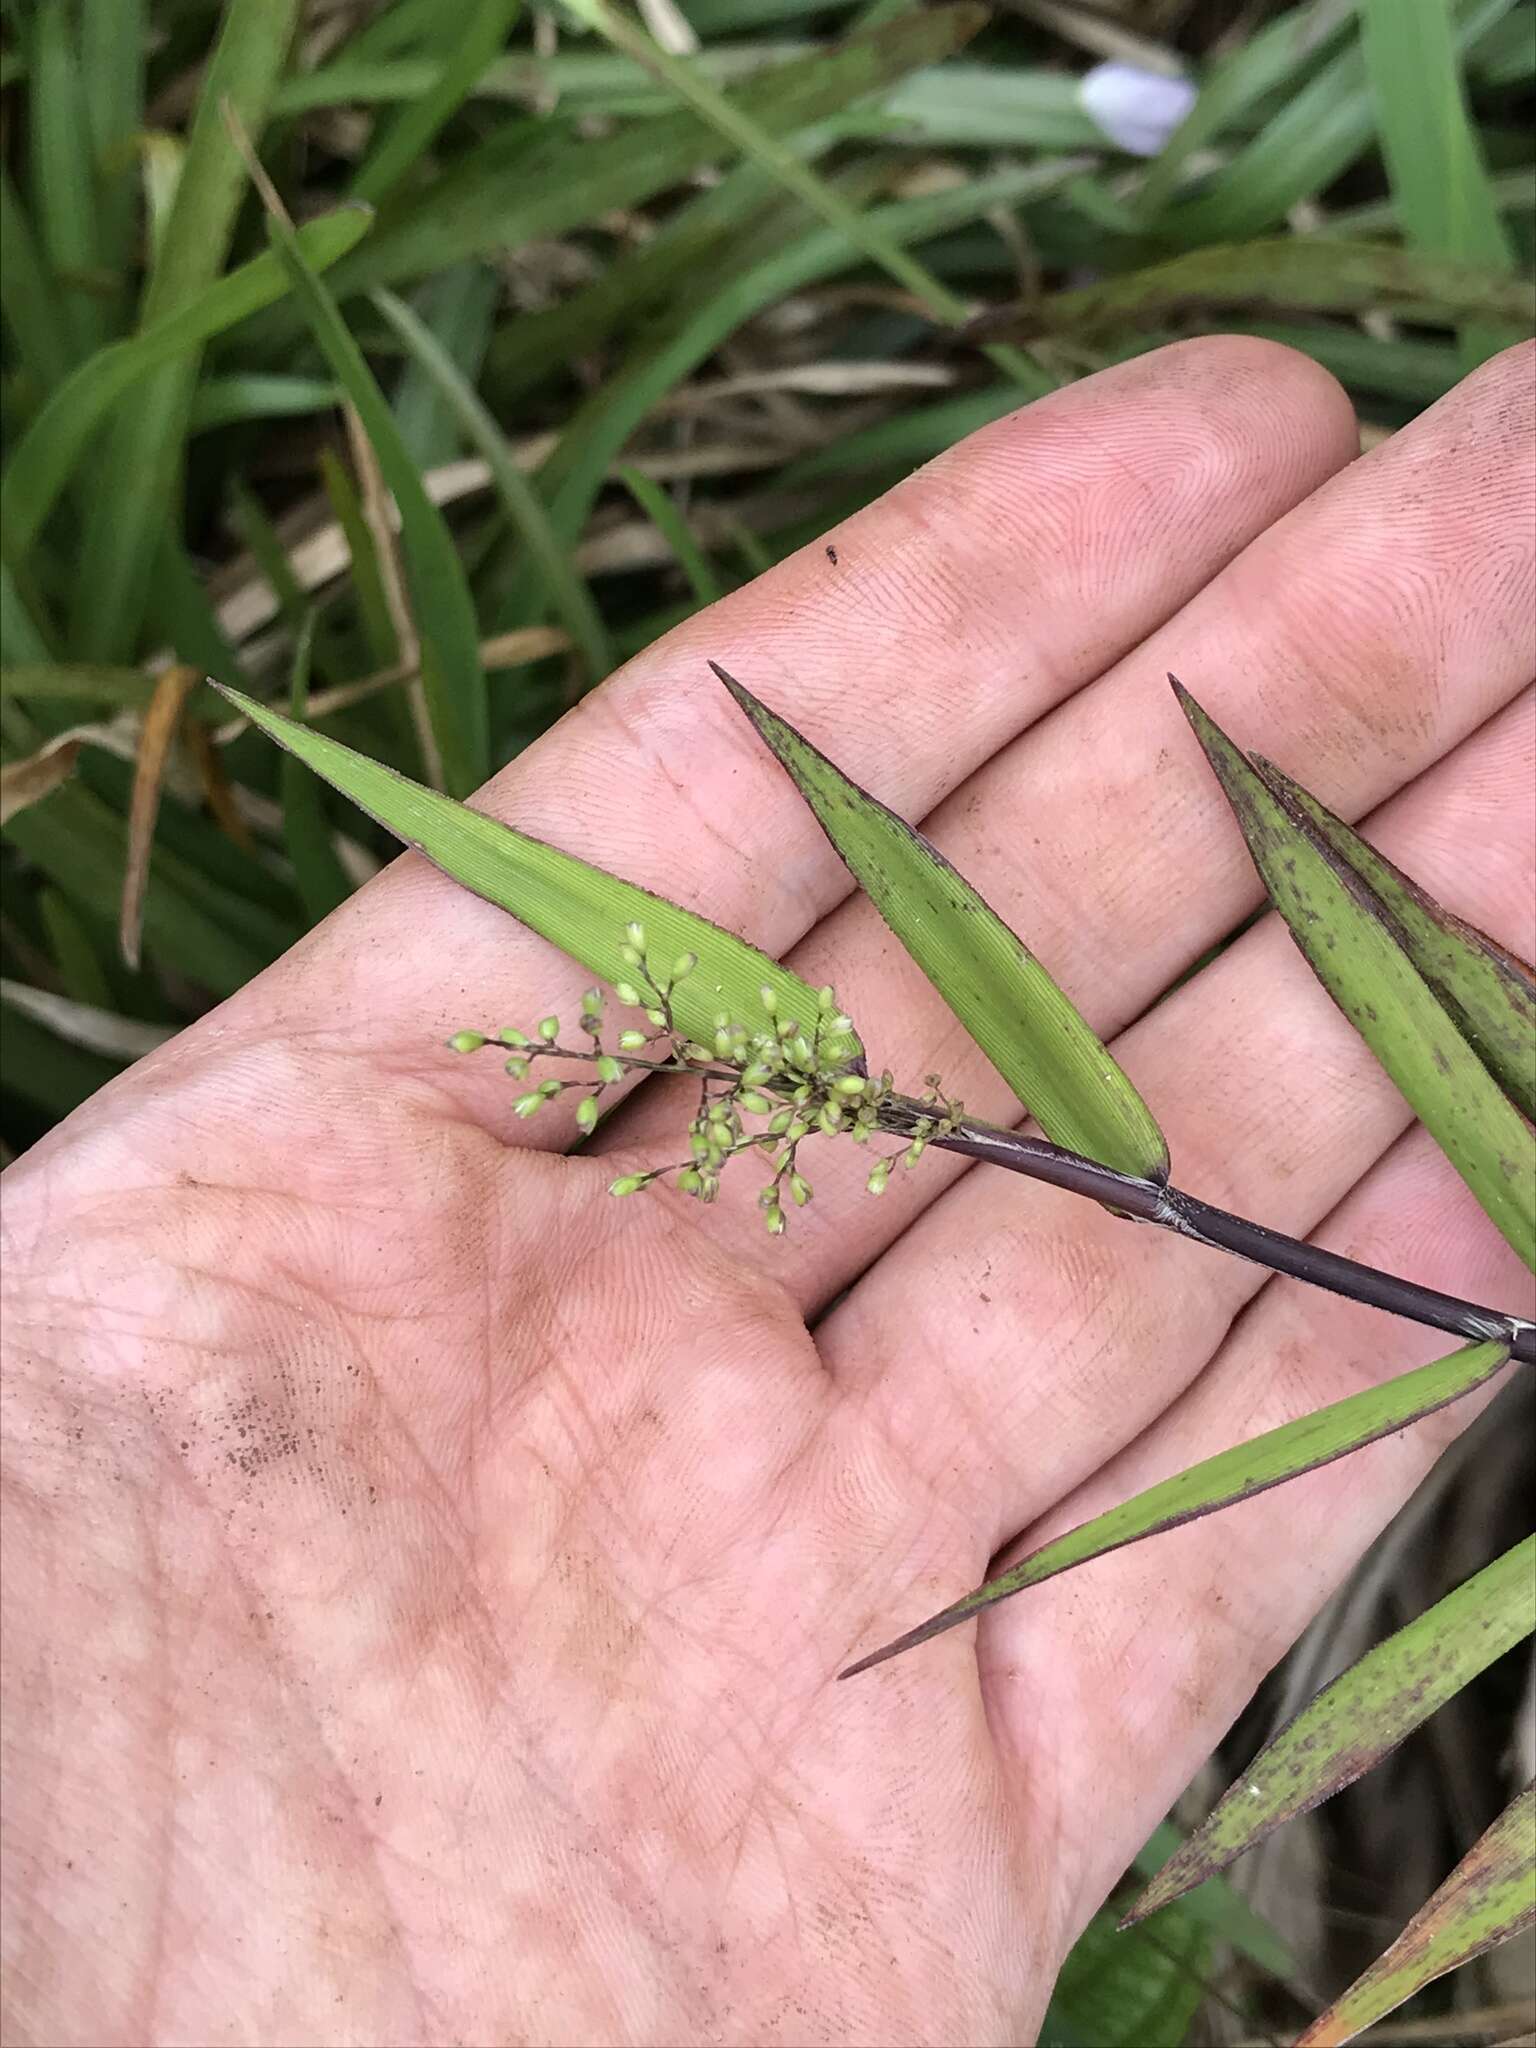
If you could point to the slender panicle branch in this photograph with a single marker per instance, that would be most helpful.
(1171, 1209)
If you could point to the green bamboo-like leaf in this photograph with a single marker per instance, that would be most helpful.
(1032, 1034)
(47, 454)
(1356, 1720)
(1488, 1898)
(1231, 1476)
(1355, 952)
(1490, 993)
(451, 670)
(1319, 275)
(578, 907)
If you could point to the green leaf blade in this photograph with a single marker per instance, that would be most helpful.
(1490, 993)
(451, 669)
(1353, 949)
(1359, 1718)
(1025, 1025)
(47, 454)
(1488, 1898)
(580, 908)
(143, 460)
(1234, 1475)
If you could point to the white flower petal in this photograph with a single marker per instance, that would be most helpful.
(1138, 110)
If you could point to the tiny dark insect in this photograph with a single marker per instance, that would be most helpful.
(832, 556)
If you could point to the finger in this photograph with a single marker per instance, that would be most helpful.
(1274, 1107)
(966, 602)
(1356, 640)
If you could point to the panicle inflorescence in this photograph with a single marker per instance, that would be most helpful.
(766, 1085)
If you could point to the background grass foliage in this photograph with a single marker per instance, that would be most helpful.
(589, 316)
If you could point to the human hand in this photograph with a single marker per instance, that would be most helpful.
(425, 1578)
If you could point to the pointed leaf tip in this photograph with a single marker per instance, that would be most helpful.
(1231, 1476)
(1357, 1719)
(580, 908)
(1025, 1024)
(1355, 947)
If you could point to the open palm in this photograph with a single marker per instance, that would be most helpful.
(425, 1578)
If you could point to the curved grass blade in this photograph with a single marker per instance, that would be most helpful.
(142, 461)
(1433, 152)
(47, 453)
(1359, 1718)
(1032, 1034)
(451, 669)
(519, 187)
(520, 500)
(1355, 953)
(319, 876)
(1322, 275)
(579, 908)
(1231, 1476)
(1490, 993)
(1488, 1898)
(660, 508)
(471, 45)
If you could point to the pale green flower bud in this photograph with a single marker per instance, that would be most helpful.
(549, 1029)
(635, 933)
(722, 1049)
(528, 1105)
(510, 1037)
(774, 1219)
(608, 1069)
(586, 1113)
(781, 1123)
(800, 1188)
(690, 1181)
(550, 1089)
(830, 1117)
(467, 1041)
(628, 1184)
(879, 1174)
(632, 957)
(592, 1003)
(627, 994)
(684, 965)
(517, 1068)
(657, 1017)
(769, 999)
(850, 1084)
(631, 1041)
(914, 1152)
(800, 1051)
(755, 1104)
(826, 999)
